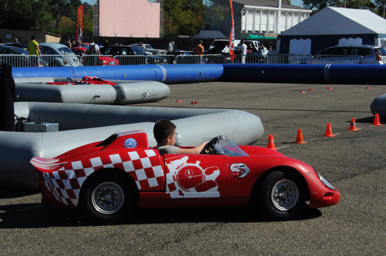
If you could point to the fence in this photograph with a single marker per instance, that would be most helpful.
(18, 60)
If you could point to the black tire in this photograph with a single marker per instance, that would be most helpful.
(108, 198)
(282, 195)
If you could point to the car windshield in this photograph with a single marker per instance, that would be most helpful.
(226, 147)
(381, 51)
(65, 50)
(138, 51)
(20, 50)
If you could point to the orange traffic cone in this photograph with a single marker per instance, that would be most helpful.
(299, 137)
(271, 143)
(376, 120)
(329, 131)
(353, 126)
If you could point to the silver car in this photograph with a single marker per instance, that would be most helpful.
(360, 54)
(59, 55)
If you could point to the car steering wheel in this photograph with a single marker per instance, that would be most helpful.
(210, 147)
(69, 80)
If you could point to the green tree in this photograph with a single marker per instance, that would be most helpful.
(354, 4)
(183, 17)
(25, 14)
(61, 8)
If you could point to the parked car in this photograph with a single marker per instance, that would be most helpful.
(102, 60)
(150, 50)
(121, 52)
(360, 54)
(108, 180)
(18, 57)
(58, 55)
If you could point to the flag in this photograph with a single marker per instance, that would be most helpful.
(232, 35)
(79, 23)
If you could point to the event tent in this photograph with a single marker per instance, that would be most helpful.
(333, 26)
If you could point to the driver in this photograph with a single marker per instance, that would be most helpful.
(165, 134)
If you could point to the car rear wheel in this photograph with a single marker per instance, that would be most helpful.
(282, 195)
(108, 198)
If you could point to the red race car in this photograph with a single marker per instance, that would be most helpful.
(108, 180)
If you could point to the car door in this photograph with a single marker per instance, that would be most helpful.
(195, 176)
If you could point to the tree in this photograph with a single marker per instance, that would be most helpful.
(354, 4)
(25, 14)
(183, 17)
(61, 8)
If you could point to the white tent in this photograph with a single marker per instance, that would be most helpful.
(333, 26)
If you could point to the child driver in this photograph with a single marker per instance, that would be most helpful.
(165, 134)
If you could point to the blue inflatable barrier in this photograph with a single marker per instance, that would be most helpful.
(305, 73)
(357, 74)
(187, 73)
(273, 73)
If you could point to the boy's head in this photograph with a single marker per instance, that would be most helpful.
(164, 132)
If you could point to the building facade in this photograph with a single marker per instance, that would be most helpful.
(127, 18)
(257, 17)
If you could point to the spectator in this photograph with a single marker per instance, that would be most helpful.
(243, 52)
(199, 50)
(171, 47)
(93, 51)
(68, 43)
(33, 47)
(34, 51)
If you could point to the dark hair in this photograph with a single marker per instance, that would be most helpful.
(163, 128)
(33, 37)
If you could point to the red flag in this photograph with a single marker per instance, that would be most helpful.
(79, 24)
(232, 35)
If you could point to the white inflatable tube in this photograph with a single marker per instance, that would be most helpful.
(80, 124)
(124, 92)
(67, 93)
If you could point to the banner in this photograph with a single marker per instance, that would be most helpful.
(232, 35)
(79, 24)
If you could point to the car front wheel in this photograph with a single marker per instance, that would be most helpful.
(282, 195)
(107, 198)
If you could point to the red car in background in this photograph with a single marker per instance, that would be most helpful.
(102, 60)
(108, 180)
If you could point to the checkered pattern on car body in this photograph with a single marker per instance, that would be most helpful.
(142, 165)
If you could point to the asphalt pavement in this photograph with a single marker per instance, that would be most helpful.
(354, 162)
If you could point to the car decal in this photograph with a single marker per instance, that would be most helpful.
(190, 180)
(239, 170)
(130, 143)
(143, 166)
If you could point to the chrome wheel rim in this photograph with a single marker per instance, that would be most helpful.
(107, 198)
(284, 195)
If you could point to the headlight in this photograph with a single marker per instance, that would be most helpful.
(325, 182)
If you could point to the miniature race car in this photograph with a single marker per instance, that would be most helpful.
(110, 179)
(85, 80)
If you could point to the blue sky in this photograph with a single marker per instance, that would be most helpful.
(89, 1)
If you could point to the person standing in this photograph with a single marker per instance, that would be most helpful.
(243, 52)
(34, 51)
(93, 51)
(33, 47)
(171, 47)
(69, 44)
(199, 50)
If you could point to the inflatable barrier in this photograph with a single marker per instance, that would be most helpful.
(187, 73)
(305, 73)
(123, 92)
(79, 124)
(378, 106)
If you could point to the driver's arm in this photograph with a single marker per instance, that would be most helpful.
(195, 150)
